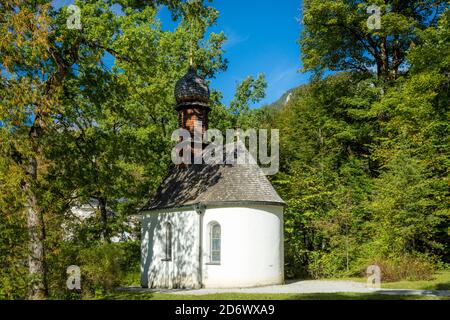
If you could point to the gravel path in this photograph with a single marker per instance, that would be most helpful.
(304, 286)
(307, 286)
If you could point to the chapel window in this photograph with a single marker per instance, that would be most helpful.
(168, 241)
(215, 235)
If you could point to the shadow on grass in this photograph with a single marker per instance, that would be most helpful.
(127, 296)
(359, 296)
(243, 296)
(440, 281)
(441, 286)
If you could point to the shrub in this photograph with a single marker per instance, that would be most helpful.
(130, 263)
(101, 267)
(325, 265)
(406, 267)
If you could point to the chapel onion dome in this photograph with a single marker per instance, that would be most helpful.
(191, 89)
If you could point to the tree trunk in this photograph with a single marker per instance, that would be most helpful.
(104, 219)
(36, 234)
(396, 59)
(384, 59)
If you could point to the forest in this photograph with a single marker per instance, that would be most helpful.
(364, 146)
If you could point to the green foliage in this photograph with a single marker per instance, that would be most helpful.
(249, 90)
(324, 178)
(336, 37)
(412, 189)
(100, 267)
(13, 271)
(364, 162)
(114, 139)
(72, 129)
(239, 114)
(405, 267)
(103, 266)
(364, 155)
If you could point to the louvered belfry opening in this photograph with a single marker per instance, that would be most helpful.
(192, 96)
(189, 116)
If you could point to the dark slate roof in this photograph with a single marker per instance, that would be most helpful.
(214, 184)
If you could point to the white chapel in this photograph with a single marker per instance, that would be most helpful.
(211, 225)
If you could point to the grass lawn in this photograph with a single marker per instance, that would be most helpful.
(263, 296)
(440, 281)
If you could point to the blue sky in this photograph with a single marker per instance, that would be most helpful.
(262, 38)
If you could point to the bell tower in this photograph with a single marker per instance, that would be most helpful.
(192, 96)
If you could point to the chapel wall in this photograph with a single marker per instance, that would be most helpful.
(182, 270)
(252, 252)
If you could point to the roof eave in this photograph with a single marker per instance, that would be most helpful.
(219, 203)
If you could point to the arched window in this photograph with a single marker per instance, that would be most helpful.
(167, 241)
(214, 246)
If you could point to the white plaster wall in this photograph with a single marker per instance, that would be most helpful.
(87, 211)
(182, 271)
(251, 246)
